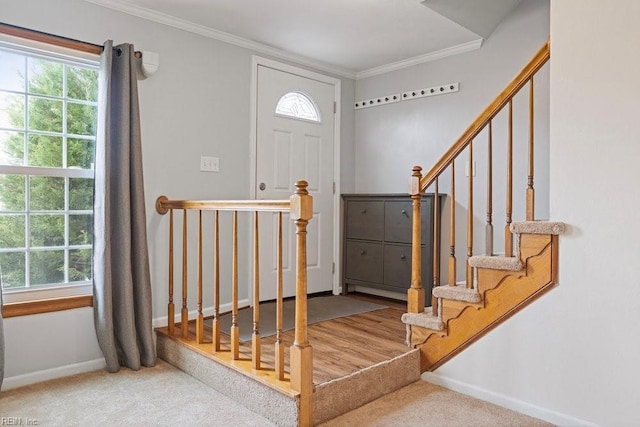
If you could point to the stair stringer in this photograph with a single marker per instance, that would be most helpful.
(504, 294)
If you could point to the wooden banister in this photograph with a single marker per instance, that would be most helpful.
(539, 59)
(300, 208)
(421, 183)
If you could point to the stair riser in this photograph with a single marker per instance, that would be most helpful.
(337, 397)
(531, 245)
(330, 399)
(263, 400)
(512, 294)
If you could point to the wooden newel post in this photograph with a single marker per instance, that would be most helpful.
(415, 294)
(301, 352)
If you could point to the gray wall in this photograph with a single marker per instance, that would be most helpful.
(392, 138)
(197, 103)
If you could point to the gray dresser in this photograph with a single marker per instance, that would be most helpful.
(377, 241)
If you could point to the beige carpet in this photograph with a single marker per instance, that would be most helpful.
(158, 396)
(164, 396)
(425, 404)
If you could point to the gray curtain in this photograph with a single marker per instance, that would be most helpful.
(122, 285)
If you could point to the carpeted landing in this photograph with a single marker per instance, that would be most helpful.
(165, 396)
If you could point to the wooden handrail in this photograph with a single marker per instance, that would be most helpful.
(163, 204)
(523, 77)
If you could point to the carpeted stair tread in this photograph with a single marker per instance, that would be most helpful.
(537, 227)
(496, 262)
(457, 293)
(424, 320)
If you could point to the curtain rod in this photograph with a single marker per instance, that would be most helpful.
(52, 39)
(40, 36)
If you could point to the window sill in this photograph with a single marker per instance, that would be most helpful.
(26, 308)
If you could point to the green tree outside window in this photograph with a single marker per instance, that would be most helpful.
(48, 121)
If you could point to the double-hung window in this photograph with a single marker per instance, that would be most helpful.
(48, 104)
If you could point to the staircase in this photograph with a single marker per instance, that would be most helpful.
(495, 286)
(501, 287)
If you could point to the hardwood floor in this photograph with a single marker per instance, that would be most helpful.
(340, 346)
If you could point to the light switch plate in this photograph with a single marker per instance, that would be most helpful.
(209, 164)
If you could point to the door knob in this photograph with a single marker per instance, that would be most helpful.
(262, 186)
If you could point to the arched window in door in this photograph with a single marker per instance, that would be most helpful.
(298, 105)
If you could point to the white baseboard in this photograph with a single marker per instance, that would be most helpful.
(94, 365)
(53, 373)
(526, 408)
(159, 322)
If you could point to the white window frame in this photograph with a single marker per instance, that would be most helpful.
(72, 57)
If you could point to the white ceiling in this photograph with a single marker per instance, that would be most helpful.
(349, 37)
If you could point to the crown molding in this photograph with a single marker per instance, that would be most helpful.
(421, 59)
(171, 21)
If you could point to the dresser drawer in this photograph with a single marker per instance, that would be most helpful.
(363, 261)
(398, 221)
(397, 266)
(365, 220)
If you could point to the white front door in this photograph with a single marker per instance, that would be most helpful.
(295, 141)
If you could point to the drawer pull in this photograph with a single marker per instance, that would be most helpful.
(363, 211)
(363, 252)
(403, 257)
(404, 212)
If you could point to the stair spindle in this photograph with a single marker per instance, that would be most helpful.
(508, 238)
(235, 330)
(215, 328)
(436, 245)
(255, 336)
(452, 228)
(488, 234)
(279, 346)
(171, 309)
(200, 318)
(530, 190)
(469, 277)
(184, 318)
